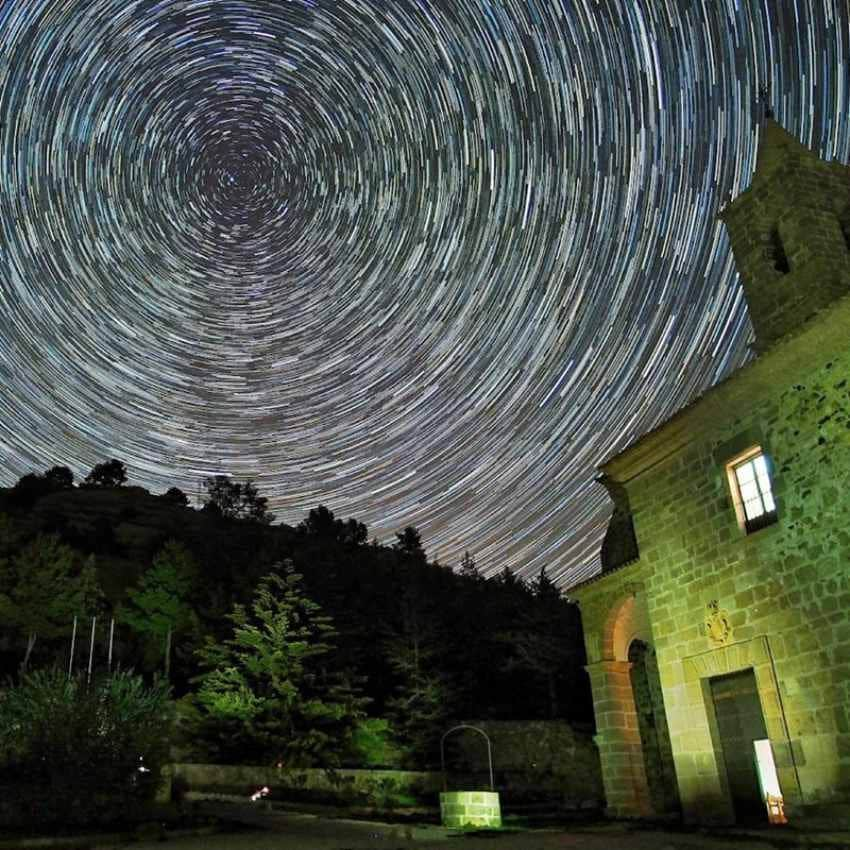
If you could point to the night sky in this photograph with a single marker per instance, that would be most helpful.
(424, 261)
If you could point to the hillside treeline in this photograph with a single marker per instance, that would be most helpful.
(419, 644)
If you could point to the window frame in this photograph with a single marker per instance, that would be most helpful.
(765, 519)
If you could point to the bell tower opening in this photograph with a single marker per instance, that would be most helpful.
(777, 252)
(792, 224)
(845, 230)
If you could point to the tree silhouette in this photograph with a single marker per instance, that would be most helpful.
(234, 500)
(175, 496)
(507, 579)
(29, 489)
(409, 543)
(544, 639)
(60, 476)
(322, 524)
(354, 532)
(112, 473)
(468, 566)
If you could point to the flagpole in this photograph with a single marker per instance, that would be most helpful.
(73, 641)
(91, 648)
(111, 636)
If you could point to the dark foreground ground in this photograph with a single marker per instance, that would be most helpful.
(274, 830)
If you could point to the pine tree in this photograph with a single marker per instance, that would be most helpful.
(43, 587)
(268, 686)
(468, 567)
(236, 500)
(423, 698)
(544, 640)
(409, 544)
(159, 610)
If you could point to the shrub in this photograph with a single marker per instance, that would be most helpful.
(374, 745)
(72, 753)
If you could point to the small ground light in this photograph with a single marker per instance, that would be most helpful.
(260, 793)
(776, 809)
(769, 782)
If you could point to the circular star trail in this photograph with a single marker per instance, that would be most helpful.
(425, 261)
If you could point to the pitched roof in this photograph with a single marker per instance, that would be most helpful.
(776, 145)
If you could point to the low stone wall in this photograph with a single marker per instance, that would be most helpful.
(374, 787)
(531, 759)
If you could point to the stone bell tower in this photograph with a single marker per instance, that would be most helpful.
(790, 235)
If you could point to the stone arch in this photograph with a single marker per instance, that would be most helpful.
(627, 619)
(631, 626)
(621, 756)
(633, 739)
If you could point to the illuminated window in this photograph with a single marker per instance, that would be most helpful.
(749, 478)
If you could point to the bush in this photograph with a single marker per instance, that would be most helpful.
(374, 745)
(72, 753)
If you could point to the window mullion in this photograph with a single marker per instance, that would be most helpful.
(762, 503)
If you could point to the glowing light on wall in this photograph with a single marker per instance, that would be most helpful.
(769, 782)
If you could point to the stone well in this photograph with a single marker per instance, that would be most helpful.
(460, 809)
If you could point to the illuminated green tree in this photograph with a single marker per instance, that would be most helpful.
(266, 689)
(158, 610)
(43, 587)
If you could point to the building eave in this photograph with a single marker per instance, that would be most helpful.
(595, 579)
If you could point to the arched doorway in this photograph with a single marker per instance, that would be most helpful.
(652, 727)
(632, 733)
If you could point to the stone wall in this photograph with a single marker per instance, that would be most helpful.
(534, 758)
(367, 787)
(784, 590)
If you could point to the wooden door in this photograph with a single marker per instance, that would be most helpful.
(740, 722)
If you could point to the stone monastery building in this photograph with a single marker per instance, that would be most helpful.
(722, 614)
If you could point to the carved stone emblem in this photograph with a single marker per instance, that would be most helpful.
(717, 624)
